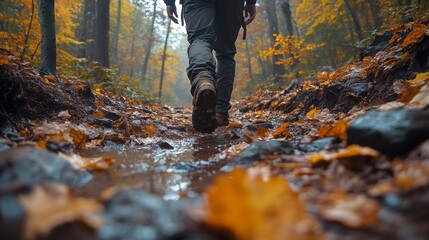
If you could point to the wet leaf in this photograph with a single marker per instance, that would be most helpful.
(90, 164)
(98, 115)
(262, 132)
(255, 205)
(312, 112)
(282, 131)
(336, 130)
(354, 211)
(79, 137)
(349, 152)
(50, 208)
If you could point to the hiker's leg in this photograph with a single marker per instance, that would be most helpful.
(200, 26)
(228, 22)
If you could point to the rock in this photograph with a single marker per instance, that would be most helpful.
(165, 145)
(102, 122)
(256, 151)
(111, 115)
(31, 166)
(380, 43)
(254, 127)
(86, 93)
(23, 168)
(319, 144)
(394, 132)
(161, 129)
(133, 214)
(4, 144)
(177, 127)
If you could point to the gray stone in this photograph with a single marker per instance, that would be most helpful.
(393, 132)
(257, 150)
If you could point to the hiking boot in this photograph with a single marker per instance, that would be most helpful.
(222, 119)
(205, 97)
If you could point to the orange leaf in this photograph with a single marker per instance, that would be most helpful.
(349, 152)
(282, 131)
(337, 130)
(98, 115)
(79, 137)
(262, 132)
(254, 205)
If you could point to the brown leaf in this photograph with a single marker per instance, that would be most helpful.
(354, 211)
(90, 164)
(47, 209)
(262, 132)
(78, 136)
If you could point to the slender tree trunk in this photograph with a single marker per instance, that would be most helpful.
(164, 57)
(27, 35)
(102, 33)
(249, 62)
(48, 59)
(355, 19)
(149, 44)
(116, 34)
(400, 4)
(376, 13)
(274, 29)
(288, 17)
(88, 32)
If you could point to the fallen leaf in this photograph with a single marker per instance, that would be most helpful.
(336, 130)
(4, 59)
(98, 115)
(47, 209)
(262, 132)
(90, 164)
(349, 152)
(255, 205)
(352, 210)
(78, 136)
(282, 131)
(312, 112)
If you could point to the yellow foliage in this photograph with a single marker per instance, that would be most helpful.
(349, 152)
(336, 130)
(255, 205)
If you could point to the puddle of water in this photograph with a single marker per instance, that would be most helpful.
(180, 172)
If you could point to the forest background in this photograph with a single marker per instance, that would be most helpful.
(289, 40)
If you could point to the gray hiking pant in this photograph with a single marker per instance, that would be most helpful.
(213, 25)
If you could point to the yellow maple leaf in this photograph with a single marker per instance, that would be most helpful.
(254, 205)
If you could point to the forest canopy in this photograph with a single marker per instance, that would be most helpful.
(289, 40)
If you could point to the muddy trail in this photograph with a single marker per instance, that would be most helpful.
(343, 156)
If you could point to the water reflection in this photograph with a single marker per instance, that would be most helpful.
(173, 173)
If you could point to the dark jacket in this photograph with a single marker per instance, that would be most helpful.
(173, 2)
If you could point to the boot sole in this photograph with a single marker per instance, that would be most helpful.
(204, 115)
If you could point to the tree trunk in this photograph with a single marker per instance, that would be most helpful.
(48, 57)
(116, 34)
(88, 28)
(102, 33)
(249, 62)
(149, 44)
(164, 57)
(355, 19)
(288, 17)
(376, 13)
(274, 29)
(400, 4)
(27, 35)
